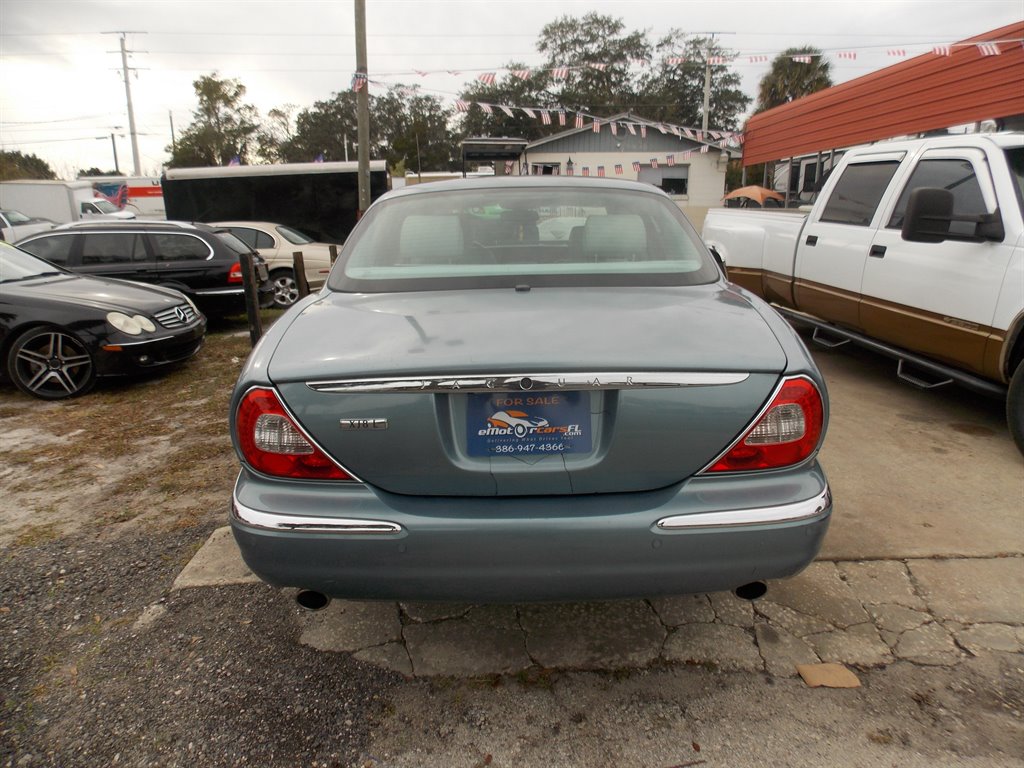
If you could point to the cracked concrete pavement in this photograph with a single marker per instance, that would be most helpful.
(924, 563)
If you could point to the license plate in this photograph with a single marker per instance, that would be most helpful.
(521, 424)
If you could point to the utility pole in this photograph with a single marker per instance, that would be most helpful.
(707, 79)
(117, 167)
(174, 145)
(362, 108)
(126, 74)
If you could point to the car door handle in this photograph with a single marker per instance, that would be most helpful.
(877, 251)
(812, 240)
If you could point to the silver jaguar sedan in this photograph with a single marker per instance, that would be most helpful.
(472, 409)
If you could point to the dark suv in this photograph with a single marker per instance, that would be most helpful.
(200, 261)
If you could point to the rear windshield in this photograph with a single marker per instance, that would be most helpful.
(491, 237)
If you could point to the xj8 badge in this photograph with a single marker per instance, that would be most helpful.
(526, 423)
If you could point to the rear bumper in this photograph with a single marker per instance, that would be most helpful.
(702, 536)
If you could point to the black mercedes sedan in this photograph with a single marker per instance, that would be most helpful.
(59, 330)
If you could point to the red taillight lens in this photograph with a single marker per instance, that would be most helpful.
(274, 444)
(787, 432)
(235, 274)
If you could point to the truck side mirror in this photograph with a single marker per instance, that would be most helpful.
(930, 212)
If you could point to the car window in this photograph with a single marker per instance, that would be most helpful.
(19, 265)
(16, 217)
(956, 176)
(53, 248)
(856, 195)
(492, 237)
(1015, 160)
(170, 246)
(263, 240)
(293, 236)
(232, 242)
(246, 235)
(112, 248)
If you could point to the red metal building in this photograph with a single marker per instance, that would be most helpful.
(926, 93)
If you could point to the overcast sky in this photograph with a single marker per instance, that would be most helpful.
(61, 94)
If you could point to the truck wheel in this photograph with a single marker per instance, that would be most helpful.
(286, 290)
(1015, 407)
(49, 363)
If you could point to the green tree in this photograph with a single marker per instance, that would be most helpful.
(598, 51)
(606, 75)
(275, 133)
(223, 127)
(323, 129)
(412, 130)
(674, 92)
(790, 79)
(17, 165)
(95, 171)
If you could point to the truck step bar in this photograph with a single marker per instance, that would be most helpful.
(916, 380)
(823, 339)
(832, 336)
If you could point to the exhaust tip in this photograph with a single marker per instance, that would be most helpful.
(312, 601)
(751, 591)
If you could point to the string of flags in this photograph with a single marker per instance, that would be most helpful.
(722, 139)
(561, 73)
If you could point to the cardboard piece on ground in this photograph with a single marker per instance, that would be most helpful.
(827, 675)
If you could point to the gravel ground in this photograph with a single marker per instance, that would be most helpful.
(106, 498)
(217, 680)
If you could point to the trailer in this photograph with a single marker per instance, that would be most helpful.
(142, 195)
(319, 199)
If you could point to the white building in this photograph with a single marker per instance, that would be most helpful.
(629, 147)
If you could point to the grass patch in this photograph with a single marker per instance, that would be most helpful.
(34, 535)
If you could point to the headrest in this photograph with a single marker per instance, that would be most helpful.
(431, 240)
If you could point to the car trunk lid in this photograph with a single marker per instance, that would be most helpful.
(535, 392)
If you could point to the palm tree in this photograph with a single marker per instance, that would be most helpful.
(792, 76)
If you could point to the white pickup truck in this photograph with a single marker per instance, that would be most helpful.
(914, 249)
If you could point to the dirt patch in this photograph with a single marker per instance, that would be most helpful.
(155, 450)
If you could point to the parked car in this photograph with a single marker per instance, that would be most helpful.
(670, 420)
(195, 259)
(277, 244)
(60, 330)
(15, 225)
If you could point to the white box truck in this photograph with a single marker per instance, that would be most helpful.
(59, 201)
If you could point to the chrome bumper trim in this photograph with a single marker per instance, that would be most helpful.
(218, 291)
(531, 382)
(787, 513)
(270, 522)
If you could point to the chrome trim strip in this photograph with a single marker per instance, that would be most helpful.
(787, 513)
(218, 291)
(529, 382)
(269, 522)
(140, 343)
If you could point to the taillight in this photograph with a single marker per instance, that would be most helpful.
(235, 274)
(786, 433)
(275, 445)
